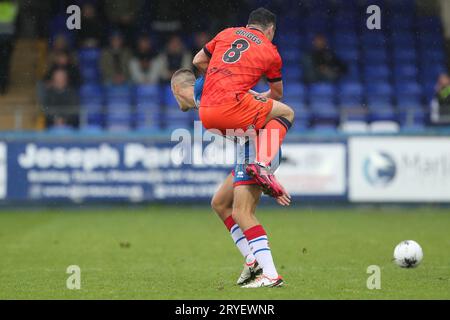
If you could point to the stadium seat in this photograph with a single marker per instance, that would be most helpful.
(384, 127)
(323, 112)
(412, 119)
(405, 73)
(378, 89)
(324, 128)
(350, 94)
(382, 113)
(293, 74)
(401, 22)
(374, 56)
(355, 114)
(348, 39)
(321, 90)
(404, 55)
(409, 91)
(118, 119)
(403, 39)
(118, 94)
(294, 90)
(348, 55)
(91, 91)
(430, 24)
(89, 56)
(380, 73)
(354, 127)
(373, 40)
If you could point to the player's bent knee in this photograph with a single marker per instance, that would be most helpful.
(218, 206)
(290, 114)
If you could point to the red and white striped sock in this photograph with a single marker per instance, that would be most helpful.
(239, 239)
(259, 244)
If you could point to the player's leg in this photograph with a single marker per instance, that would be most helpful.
(222, 204)
(246, 198)
(276, 126)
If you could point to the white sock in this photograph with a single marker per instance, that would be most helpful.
(261, 251)
(241, 243)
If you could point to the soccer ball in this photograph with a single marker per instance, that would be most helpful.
(408, 254)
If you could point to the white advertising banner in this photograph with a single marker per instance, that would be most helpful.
(3, 170)
(399, 169)
(313, 169)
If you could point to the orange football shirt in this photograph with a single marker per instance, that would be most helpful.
(239, 58)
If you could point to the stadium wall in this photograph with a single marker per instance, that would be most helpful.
(136, 168)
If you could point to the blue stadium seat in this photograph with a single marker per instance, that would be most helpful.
(348, 39)
(353, 73)
(322, 93)
(350, 94)
(404, 55)
(373, 39)
(409, 89)
(118, 94)
(321, 89)
(409, 105)
(90, 74)
(431, 40)
(374, 56)
(401, 22)
(118, 121)
(430, 24)
(377, 73)
(382, 114)
(414, 119)
(324, 128)
(350, 56)
(146, 91)
(168, 98)
(403, 39)
(324, 112)
(91, 91)
(294, 90)
(89, 56)
(293, 74)
(433, 55)
(405, 73)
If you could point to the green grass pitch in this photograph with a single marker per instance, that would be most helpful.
(185, 253)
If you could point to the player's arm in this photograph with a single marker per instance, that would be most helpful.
(273, 75)
(202, 58)
(201, 61)
(275, 91)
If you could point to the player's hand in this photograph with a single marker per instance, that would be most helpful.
(285, 199)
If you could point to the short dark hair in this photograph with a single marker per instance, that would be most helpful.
(262, 17)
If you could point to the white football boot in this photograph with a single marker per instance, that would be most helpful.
(251, 270)
(262, 281)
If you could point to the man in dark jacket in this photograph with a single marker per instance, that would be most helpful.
(322, 64)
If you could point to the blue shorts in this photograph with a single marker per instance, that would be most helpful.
(246, 154)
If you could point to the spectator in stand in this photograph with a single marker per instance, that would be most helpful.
(173, 58)
(8, 14)
(59, 44)
(62, 60)
(321, 63)
(200, 40)
(92, 32)
(115, 60)
(144, 46)
(60, 101)
(123, 15)
(142, 69)
(440, 105)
